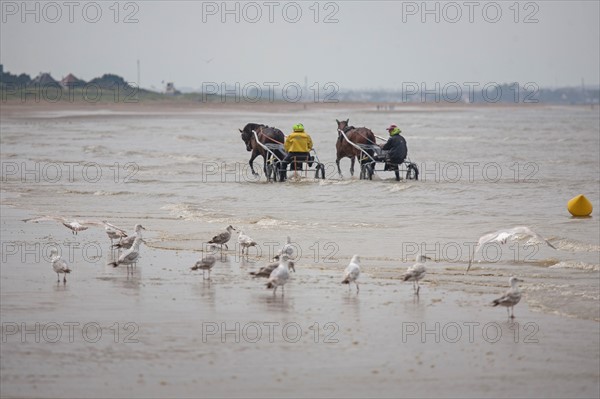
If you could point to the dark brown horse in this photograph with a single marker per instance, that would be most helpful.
(357, 135)
(266, 135)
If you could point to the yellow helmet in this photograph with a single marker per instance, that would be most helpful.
(298, 127)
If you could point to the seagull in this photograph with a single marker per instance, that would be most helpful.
(266, 271)
(222, 238)
(59, 265)
(352, 272)
(126, 243)
(74, 225)
(287, 249)
(502, 236)
(279, 276)
(245, 242)
(511, 297)
(130, 256)
(416, 272)
(113, 232)
(204, 264)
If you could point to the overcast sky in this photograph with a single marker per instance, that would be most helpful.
(366, 44)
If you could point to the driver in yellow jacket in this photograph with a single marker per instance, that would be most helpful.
(298, 145)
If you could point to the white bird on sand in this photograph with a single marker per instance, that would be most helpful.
(511, 297)
(222, 238)
(130, 256)
(502, 236)
(59, 265)
(245, 242)
(416, 272)
(205, 263)
(113, 232)
(279, 276)
(287, 249)
(352, 272)
(74, 225)
(266, 271)
(127, 242)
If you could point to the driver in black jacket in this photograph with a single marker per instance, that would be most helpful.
(395, 150)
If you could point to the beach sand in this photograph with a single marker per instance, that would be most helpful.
(164, 332)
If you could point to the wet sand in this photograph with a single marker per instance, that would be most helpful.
(167, 333)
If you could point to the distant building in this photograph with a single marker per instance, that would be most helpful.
(71, 81)
(43, 79)
(170, 89)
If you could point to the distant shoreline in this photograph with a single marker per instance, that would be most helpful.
(16, 107)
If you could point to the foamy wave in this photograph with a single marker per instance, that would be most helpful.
(267, 222)
(576, 265)
(575, 246)
(185, 211)
(336, 182)
(99, 192)
(399, 187)
(194, 212)
(107, 193)
(96, 149)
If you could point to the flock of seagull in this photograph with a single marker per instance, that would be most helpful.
(128, 246)
(278, 271)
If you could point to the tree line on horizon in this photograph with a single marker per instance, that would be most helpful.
(512, 93)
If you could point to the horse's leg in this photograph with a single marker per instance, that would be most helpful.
(252, 158)
(337, 162)
(352, 159)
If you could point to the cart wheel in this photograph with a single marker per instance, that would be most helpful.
(320, 171)
(412, 172)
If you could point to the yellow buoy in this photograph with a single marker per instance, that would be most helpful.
(579, 206)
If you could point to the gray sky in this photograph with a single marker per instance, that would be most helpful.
(373, 44)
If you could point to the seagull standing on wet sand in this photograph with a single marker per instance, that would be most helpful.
(59, 265)
(502, 236)
(287, 249)
(222, 238)
(416, 272)
(511, 297)
(266, 271)
(127, 242)
(352, 272)
(130, 256)
(245, 242)
(204, 264)
(113, 232)
(279, 276)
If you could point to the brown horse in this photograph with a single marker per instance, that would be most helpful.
(357, 135)
(266, 135)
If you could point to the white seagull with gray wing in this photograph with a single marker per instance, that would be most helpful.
(352, 272)
(511, 297)
(279, 276)
(245, 242)
(502, 236)
(59, 265)
(204, 264)
(416, 272)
